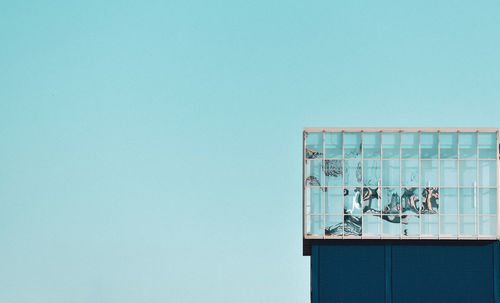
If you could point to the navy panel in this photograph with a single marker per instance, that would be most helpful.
(351, 273)
(442, 273)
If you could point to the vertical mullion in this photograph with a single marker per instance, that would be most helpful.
(381, 184)
(343, 189)
(304, 217)
(439, 183)
(418, 190)
(362, 180)
(476, 187)
(458, 182)
(324, 186)
(400, 191)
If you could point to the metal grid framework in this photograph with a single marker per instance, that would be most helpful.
(425, 220)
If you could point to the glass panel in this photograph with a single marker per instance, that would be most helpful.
(352, 225)
(488, 226)
(430, 225)
(333, 172)
(448, 144)
(371, 225)
(449, 225)
(390, 145)
(488, 145)
(314, 173)
(371, 145)
(449, 173)
(467, 145)
(467, 172)
(352, 200)
(333, 203)
(333, 145)
(314, 200)
(371, 172)
(429, 173)
(487, 201)
(410, 226)
(391, 225)
(409, 172)
(333, 225)
(314, 225)
(352, 145)
(409, 200)
(430, 200)
(390, 173)
(467, 201)
(488, 173)
(390, 200)
(468, 226)
(352, 173)
(314, 145)
(409, 145)
(371, 201)
(428, 145)
(448, 201)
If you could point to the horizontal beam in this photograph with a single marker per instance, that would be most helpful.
(401, 129)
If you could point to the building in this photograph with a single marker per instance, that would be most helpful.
(402, 214)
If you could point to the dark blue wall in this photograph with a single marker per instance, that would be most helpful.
(405, 271)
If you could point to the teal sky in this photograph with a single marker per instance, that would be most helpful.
(151, 150)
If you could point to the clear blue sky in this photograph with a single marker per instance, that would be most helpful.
(151, 150)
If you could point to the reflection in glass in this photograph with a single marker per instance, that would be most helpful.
(487, 145)
(314, 200)
(333, 225)
(412, 226)
(468, 226)
(430, 200)
(390, 145)
(409, 200)
(467, 172)
(314, 225)
(448, 145)
(333, 172)
(371, 145)
(409, 145)
(371, 172)
(371, 225)
(314, 173)
(430, 225)
(333, 145)
(449, 173)
(352, 173)
(449, 201)
(352, 225)
(390, 173)
(488, 226)
(467, 145)
(488, 173)
(314, 145)
(352, 200)
(429, 145)
(352, 145)
(390, 200)
(449, 225)
(371, 200)
(467, 201)
(409, 172)
(487, 201)
(392, 228)
(333, 202)
(429, 173)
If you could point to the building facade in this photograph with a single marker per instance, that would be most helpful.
(390, 196)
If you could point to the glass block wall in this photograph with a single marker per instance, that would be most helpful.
(406, 183)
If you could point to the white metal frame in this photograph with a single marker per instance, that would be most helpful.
(381, 187)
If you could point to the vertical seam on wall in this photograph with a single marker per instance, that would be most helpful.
(388, 273)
